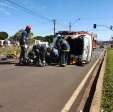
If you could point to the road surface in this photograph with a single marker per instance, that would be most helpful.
(37, 89)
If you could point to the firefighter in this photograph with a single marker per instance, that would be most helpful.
(64, 52)
(58, 42)
(24, 44)
(54, 56)
(40, 51)
(58, 46)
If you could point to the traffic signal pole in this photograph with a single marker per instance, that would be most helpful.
(95, 26)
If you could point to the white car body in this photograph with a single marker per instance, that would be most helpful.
(87, 49)
(84, 52)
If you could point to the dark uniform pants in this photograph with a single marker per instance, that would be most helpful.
(23, 54)
(64, 58)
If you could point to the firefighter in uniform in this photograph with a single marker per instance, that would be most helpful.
(63, 49)
(39, 52)
(64, 52)
(24, 44)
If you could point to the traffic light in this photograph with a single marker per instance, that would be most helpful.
(94, 26)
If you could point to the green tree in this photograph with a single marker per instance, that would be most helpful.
(39, 38)
(31, 39)
(18, 35)
(3, 35)
(49, 38)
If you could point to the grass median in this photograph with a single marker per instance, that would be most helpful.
(107, 93)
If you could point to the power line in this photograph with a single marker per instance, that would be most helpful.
(72, 23)
(75, 20)
(29, 11)
(33, 13)
(61, 24)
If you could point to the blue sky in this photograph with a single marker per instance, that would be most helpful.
(13, 18)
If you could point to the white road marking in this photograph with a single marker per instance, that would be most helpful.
(71, 100)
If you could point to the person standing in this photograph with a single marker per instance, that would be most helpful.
(58, 46)
(65, 48)
(24, 44)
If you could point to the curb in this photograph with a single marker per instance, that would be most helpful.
(76, 94)
(96, 103)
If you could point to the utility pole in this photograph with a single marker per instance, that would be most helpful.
(70, 26)
(54, 26)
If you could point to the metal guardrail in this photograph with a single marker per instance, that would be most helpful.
(82, 97)
(96, 102)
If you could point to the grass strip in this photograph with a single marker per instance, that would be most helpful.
(107, 92)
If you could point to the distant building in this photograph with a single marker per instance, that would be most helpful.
(41, 42)
(5, 43)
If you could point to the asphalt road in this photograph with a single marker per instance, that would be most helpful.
(36, 89)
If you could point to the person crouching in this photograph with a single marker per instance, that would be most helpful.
(40, 51)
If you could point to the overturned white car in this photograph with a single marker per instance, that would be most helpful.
(80, 45)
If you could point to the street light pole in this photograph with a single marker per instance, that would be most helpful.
(70, 24)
